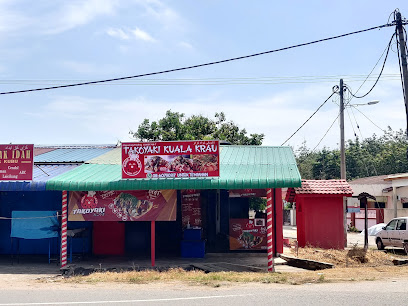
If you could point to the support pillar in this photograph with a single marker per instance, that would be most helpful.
(269, 229)
(64, 228)
(153, 242)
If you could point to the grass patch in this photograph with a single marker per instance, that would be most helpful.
(217, 279)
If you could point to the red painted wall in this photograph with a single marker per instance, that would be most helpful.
(279, 220)
(108, 238)
(320, 221)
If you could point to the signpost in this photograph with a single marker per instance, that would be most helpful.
(16, 162)
(170, 159)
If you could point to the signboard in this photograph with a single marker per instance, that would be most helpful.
(132, 205)
(170, 159)
(247, 234)
(191, 208)
(16, 162)
(247, 193)
(353, 205)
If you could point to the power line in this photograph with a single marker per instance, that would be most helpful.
(326, 132)
(308, 118)
(382, 68)
(194, 66)
(382, 130)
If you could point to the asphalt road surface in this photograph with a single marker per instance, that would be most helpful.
(391, 292)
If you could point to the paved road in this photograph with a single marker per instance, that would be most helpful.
(363, 293)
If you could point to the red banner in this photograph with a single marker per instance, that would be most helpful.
(170, 159)
(247, 234)
(247, 193)
(16, 162)
(191, 208)
(133, 205)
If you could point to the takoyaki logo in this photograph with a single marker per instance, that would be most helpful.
(84, 211)
(132, 165)
(89, 200)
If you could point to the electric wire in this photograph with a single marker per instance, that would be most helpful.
(356, 108)
(326, 132)
(321, 105)
(194, 66)
(364, 149)
(379, 75)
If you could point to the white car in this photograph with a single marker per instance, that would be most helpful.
(394, 234)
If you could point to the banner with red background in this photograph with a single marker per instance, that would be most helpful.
(133, 205)
(16, 162)
(247, 234)
(170, 159)
(191, 208)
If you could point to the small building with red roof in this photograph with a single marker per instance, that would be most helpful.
(320, 212)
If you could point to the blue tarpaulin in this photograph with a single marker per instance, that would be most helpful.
(34, 224)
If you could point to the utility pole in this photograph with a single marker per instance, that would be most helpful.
(403, 60)
(403, 57)
(343, 158)
(342, 150)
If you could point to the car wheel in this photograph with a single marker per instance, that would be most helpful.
(379, 243)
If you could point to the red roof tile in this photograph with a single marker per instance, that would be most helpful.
(321, 187)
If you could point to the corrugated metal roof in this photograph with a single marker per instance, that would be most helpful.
(41, 174)
(240, 167)
(70, 155)
(112, 157)
(321, 187)
(39, 151)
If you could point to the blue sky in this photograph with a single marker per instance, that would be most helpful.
(46, 43)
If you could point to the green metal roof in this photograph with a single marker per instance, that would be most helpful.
(241, 167)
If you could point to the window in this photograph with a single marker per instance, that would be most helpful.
(392, 225)
(379, 204)
(402, 225)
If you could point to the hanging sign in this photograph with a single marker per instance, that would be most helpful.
(247, 193)
(191, 208)
(170, 159)
(131, 205)
(16, 162)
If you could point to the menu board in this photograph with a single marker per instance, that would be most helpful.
(191, 208)
(16, 162)
(247, 234)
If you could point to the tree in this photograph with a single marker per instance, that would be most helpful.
(175, 126)
(372, 156)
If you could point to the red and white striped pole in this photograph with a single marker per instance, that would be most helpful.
(269, 222)
(64, 228)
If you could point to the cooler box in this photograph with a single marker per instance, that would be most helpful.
(192, 234)
(192, 249)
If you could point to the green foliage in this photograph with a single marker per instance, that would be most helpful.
(257, 204)
(175, 126)
(373, 156)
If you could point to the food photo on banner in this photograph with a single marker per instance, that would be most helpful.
(247, 234)
(132, 205)
(170, 159)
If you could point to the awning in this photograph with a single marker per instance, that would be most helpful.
(255, 167)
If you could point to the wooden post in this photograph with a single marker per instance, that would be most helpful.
(153, 242)
(269, 227)
(64, 228)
